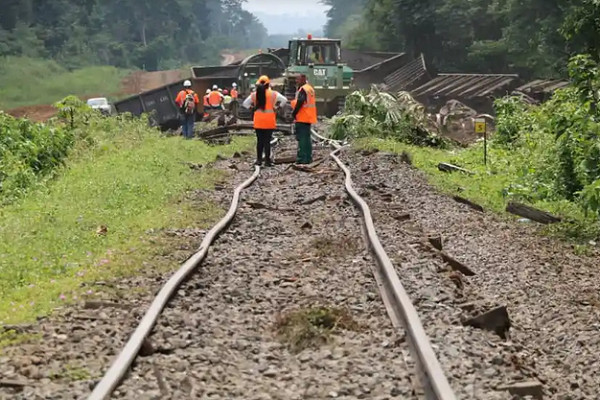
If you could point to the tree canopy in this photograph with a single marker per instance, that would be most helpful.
(530, 37)
(150, 34)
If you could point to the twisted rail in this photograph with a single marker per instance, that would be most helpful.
(399, 306)
(121, 364)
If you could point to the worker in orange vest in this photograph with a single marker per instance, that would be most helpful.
(234, 91)
(215, 98)
(206, 104)
(305, 114)
(264, 102)
(187, 100)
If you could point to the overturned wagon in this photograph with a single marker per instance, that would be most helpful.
(160, 105)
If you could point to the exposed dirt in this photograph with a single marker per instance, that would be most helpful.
(142, 81)
(38, 113)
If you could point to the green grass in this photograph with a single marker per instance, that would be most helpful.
(489, 185)
(133, 181)
(29, 81)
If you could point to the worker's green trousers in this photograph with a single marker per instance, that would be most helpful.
(304, 143)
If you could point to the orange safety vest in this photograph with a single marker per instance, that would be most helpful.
(308, 111)
(206, 103)
(214, 98)
(182, 94)
(266, 119)
(234, 93)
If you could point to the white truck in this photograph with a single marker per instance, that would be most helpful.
(101, 104)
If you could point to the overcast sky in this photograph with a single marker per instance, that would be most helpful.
(286, 7)
(289, 16)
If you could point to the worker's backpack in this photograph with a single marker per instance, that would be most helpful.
(189, 104)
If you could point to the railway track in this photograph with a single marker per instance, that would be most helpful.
(244, 326)
(294, 253)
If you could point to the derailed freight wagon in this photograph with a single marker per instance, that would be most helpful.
(160, 103)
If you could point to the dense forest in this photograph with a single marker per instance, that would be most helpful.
(530, 37)
(151, 34)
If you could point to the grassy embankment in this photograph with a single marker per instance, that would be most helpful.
(544, 155)
(119, 174)
(29, 81)
(488, 186)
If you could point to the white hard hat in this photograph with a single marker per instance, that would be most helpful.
(207, 91)
(215, 87)
(187, 83)
(234, 84)
(220, 90)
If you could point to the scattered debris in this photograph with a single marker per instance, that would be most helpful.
(306, 225)
(401, 217)
(102, 230)
(96, 305)
(522, 389)
(469, 203)
(314, 199)
(436, 241)
(368, 152)
(11, 383)
(285, 160)
(406, 158)
(147, 348)
(457, 265)
(257, 206)
(445, 167)
(495, 320)
(531, 213)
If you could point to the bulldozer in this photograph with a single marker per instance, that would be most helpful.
(320, 60)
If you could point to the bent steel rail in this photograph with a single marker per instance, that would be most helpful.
(121, 364)
(399, 306)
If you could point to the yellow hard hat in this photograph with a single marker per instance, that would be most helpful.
(263, 79)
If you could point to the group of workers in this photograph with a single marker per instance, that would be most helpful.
(218, 99)
(187, 100)
(265, 102)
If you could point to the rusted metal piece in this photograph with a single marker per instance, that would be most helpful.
(465, 85)
(399, 306)
(408, 77)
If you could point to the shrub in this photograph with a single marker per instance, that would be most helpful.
(379, 114)
(29, 151)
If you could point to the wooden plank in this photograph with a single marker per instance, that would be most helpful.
(469, 203)
(446, 167)
(456, 265)
(532, 213)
